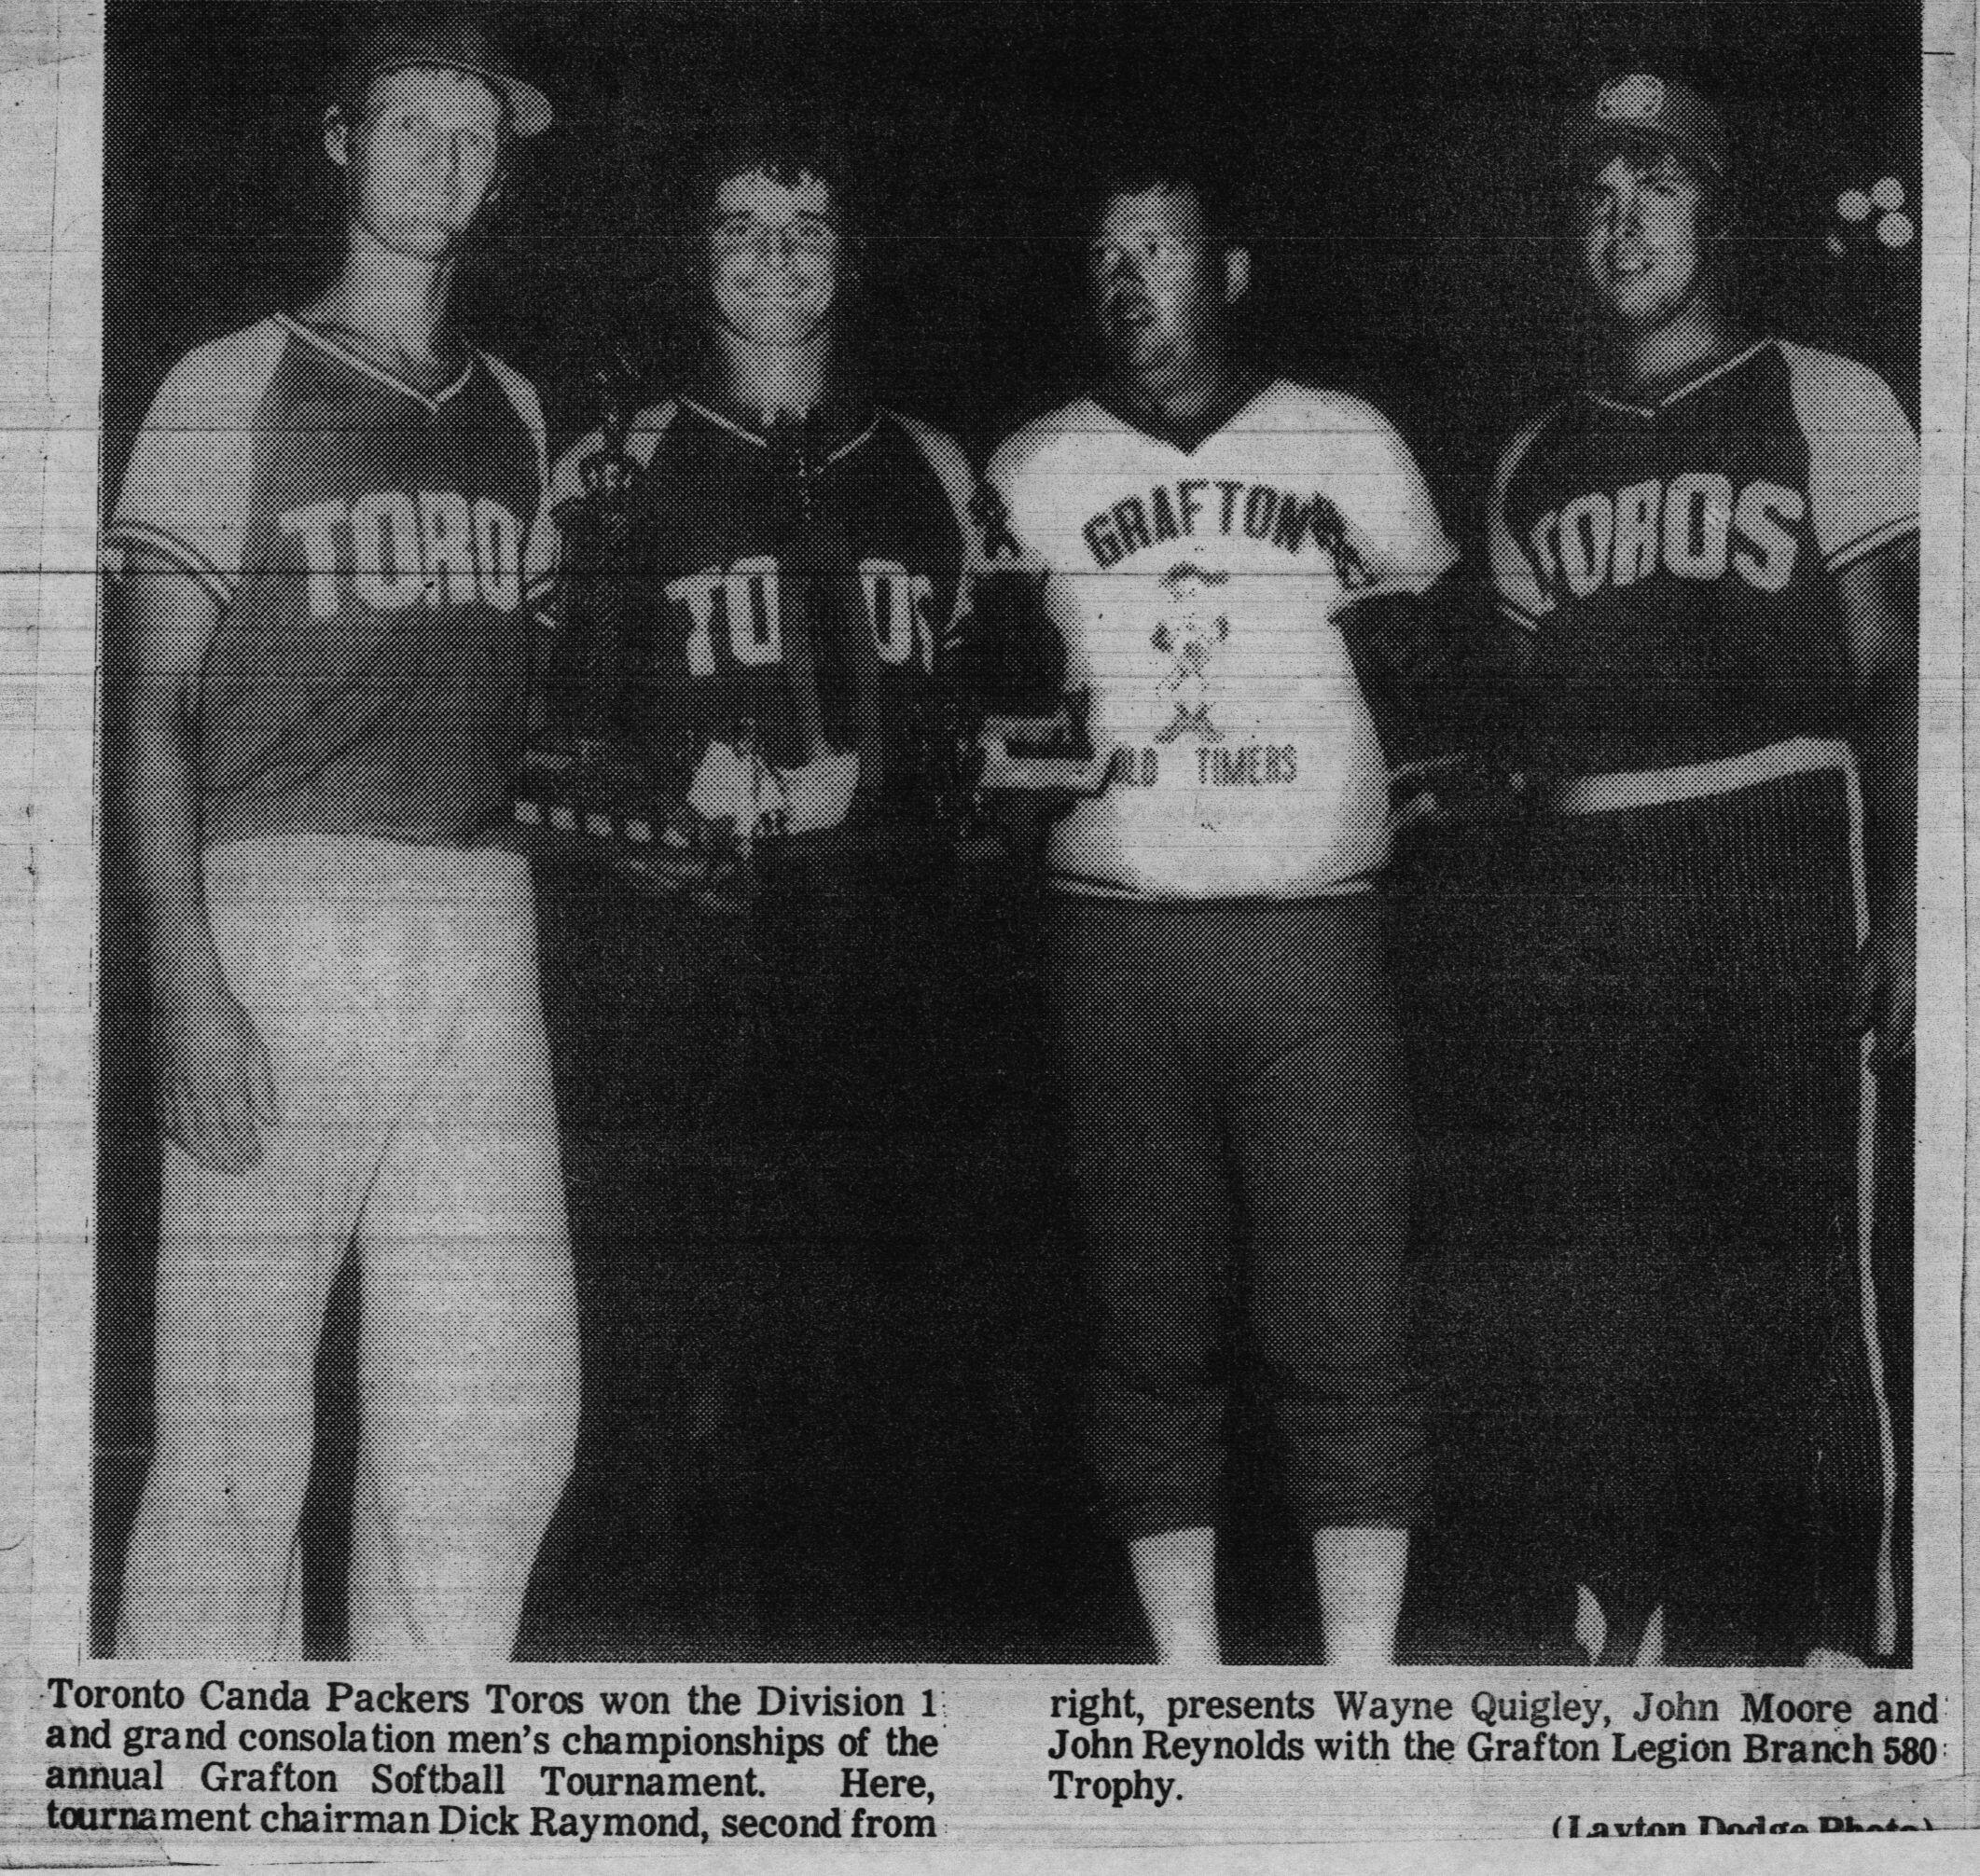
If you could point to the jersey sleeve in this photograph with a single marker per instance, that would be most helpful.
(540, 551)
(1391, 519)
(945, 456)
(1517, 591)
(1006, 541)
(187, 489)
(544, 559)
(1863, 455)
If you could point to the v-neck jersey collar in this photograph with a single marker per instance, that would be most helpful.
(1709, 375)
(855, 431)
(1242, 391)
(369, 368)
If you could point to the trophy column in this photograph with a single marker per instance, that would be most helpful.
(586, 780)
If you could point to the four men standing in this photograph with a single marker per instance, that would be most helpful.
(335, 532)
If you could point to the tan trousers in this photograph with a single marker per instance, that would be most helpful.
(395, 988)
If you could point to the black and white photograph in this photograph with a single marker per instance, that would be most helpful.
(1006, 835)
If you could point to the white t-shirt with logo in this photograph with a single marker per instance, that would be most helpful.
(1198, 590)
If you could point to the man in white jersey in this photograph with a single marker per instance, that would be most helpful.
(1229, 1047)
(322, 540)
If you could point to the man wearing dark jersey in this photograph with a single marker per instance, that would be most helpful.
(800, 569)
(321, 534)
(1711, 556)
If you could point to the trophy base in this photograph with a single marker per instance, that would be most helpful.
(579, 795)
(575, 821)
(576, 801)
(1037, 755)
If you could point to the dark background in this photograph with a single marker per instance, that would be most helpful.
(1393, 162)
(1392, 159)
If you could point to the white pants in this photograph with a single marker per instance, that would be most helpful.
(395, 988)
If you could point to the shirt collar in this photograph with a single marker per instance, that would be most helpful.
(1243, 388)
(370, 368)
(1684, 390)
(838, 427)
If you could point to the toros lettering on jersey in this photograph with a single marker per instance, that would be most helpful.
(739, 607)
(1692, 527)
(395, 550)
(1197, 506)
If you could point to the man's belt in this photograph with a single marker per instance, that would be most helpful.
(1699, 780)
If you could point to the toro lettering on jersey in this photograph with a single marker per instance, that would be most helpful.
(739, 607)
(390, 549)
(1693, 526)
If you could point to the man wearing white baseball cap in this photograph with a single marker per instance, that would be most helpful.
(1641, 111)
(1711, 552)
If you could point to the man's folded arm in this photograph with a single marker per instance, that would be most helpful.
(1444, 672)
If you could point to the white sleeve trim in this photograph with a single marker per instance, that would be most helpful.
(944, 455)
(529, 407)
(1522, 598)
(120, 538)
(186, 493)
(1865, 544)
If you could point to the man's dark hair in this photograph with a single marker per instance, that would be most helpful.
(1138, 161)
(787, 148)
(1725, 241)
(1718, 203)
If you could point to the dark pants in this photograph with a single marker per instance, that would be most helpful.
(1233, 1080)
(820, 1279)
(1644, 1283)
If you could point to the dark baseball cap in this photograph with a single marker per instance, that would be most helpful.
(1644, 110)
(447, 43)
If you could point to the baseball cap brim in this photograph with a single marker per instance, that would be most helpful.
(464, 49)
(529, 112)
(1641, 111)
(1584, 135)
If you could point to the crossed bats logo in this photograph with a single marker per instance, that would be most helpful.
(1190, 630)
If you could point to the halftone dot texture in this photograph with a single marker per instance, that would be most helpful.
(1648, 1317)
(1224, 1028)
(370, 548)
(1197, 581)
(1672, 559)
(793, 612)
(358, 714)
(395, 989)
(1879, 213)
(1233, 1077)
(449, 40)
(1654, 1302)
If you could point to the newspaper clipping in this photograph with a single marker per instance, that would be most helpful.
(983, 930)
